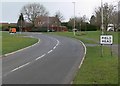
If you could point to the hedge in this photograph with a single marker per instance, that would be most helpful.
(42, 29)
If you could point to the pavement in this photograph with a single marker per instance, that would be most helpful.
(54, 60)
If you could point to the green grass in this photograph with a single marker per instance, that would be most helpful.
(95, 69)
(88, 37)
(78, 36)
(15, 42)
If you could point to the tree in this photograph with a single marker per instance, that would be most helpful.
(32, 11)
(59, 15)
(108, 11)
(93, 20)
(80, 23)
(21, 22)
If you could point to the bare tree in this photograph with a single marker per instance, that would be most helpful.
(109, 15)
(32, 11)
(59, 15)
(79, 22)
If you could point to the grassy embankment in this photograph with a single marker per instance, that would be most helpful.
(95, 69)
(15, 42)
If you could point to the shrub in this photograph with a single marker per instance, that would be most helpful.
(91, 27)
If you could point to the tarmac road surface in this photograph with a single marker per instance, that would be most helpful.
(54, 60)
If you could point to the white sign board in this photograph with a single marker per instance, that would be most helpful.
(106, 39)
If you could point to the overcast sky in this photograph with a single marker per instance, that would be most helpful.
(10, 9)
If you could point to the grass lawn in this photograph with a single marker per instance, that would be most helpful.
(88, 37)
(95, 69)
(15, 42)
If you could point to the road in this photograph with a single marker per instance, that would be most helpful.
(52, 61)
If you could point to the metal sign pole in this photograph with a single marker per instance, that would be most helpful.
(101, 50)
(111, 49)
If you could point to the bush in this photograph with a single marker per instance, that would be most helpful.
(91, 27)
(6, 27)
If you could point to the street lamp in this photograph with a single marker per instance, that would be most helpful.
(74, 19)
(102, 27)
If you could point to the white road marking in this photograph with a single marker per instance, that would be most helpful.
(40, 57)
(20, 67)
(54, 47)
(50, 51)
(84, 54)
(82, 58)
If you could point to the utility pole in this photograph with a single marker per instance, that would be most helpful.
(102, 27)
(74, 19)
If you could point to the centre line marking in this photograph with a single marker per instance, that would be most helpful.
(54, 47)
(40, 57)
(20, 67)
(50, 51)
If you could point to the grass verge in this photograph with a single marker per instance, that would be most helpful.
(88, 37)
(15, 42)
(97, 69)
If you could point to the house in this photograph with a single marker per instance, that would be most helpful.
(49, 24)
(44, 21)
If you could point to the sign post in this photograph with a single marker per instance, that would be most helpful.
(106, 40)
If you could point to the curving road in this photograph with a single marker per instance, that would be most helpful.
(52, 61)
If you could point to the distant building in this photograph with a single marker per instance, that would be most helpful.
(49, 23)
(44, 21)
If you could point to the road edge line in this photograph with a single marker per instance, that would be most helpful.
(84, 54)
(21, 49)
(85, 49)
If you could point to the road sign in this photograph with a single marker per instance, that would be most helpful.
(106, 39)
